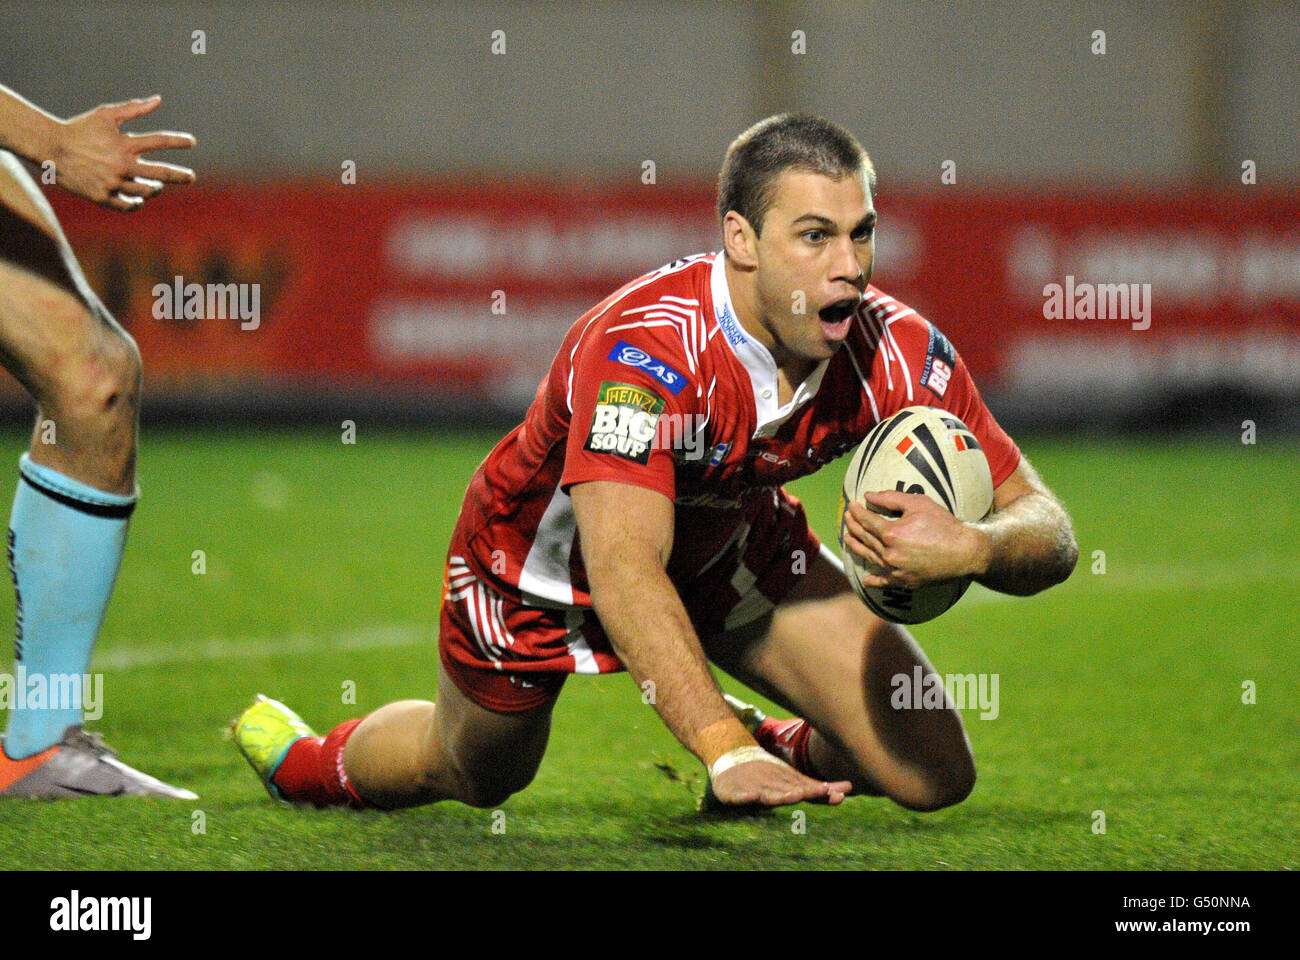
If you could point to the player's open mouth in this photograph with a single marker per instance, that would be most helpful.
(837, 317)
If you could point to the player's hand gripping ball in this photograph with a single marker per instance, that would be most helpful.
(917, 450)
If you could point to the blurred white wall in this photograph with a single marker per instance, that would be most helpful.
(1010, 91)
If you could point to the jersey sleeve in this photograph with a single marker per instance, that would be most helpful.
(633, 395)
(945, 382)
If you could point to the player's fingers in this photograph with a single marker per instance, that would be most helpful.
(860, 548)
(166, 172)
(161, 140)
(831, 793)
(736, 797)
(865, 526)
(130, 109)
(826, 791)
(875, 581)
(794, 789)
(869, 531)
(866, 517)
(776, 797)
(808, 790)
(889, 500)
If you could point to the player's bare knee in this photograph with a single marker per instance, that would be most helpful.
(476, 783)
(489, 792)
(944, 784)
(490, 784)
(487, 797)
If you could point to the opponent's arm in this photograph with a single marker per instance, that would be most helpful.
(92, 158)
(626, 536)
(1026, 545)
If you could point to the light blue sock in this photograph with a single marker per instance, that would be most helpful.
(65, 548)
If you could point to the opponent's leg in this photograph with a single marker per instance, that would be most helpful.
(77, 486)
(405, 754)
(822, 654)
(58, 340)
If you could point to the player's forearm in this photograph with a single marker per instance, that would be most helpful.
(25, 128)
(1027, 546)
(643, 616)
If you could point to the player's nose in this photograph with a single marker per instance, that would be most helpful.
(845, 267)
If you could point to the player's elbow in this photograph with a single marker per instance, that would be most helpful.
(1069, 555)
(1050, 566)
(1065, 557)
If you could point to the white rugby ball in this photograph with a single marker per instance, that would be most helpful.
(917, 450)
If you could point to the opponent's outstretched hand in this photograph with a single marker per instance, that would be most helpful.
(772, 783)
(95, 160)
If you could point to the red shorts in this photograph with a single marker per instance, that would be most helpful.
(508, 656)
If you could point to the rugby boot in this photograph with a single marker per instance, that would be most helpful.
(80, 765)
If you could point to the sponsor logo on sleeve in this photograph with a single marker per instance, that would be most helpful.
(624, 352)
(940, 359)
(625, 422)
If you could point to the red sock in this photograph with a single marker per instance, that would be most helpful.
(788, 739)
(312, 771)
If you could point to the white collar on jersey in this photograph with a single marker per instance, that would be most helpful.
(757, 359)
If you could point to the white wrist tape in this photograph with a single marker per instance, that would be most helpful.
(737, 756)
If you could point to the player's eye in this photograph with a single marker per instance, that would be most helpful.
(865, 233)
(814, 236)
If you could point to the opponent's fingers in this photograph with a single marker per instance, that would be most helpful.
(130, 109)
(141, 187)
(166, 172)
(125, 204)
(161, 140)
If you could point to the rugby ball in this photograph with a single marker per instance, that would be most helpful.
(917, 450)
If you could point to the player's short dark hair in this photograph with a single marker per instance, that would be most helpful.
(780, 143)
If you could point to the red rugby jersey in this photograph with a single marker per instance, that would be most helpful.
(659, 386)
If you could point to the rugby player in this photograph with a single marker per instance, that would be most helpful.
(589, 543)
(76, 488)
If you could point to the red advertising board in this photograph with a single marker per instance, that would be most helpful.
(464, 290)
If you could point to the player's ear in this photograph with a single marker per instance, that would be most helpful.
(740, 240)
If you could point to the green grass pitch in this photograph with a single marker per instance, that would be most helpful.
(1120, 692)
